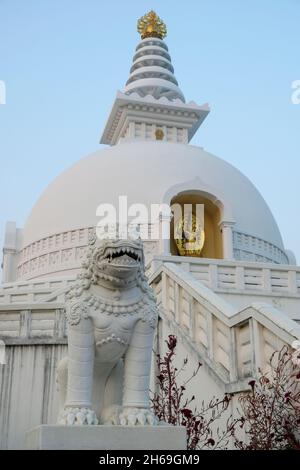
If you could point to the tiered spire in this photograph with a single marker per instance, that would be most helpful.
(152, 106)
(152, 72)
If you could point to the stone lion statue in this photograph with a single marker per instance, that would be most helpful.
(111, 313)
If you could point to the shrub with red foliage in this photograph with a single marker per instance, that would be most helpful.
(270, 412)
(170, 405)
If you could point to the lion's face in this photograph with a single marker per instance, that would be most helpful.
(119, 259)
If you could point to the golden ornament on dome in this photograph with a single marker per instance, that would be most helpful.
(151, 26)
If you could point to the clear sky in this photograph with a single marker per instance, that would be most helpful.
(63, 60)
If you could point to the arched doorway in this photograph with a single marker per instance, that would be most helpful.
(213, 244)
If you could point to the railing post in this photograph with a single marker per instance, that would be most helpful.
(177, 303)
(233, 356)
(257, 359)
(164, 292)
(240, 277)
(25, 323)
(59, 324)
(266, 280)
(292, 282)
(213, 276)
(210, 335)
(192, 323)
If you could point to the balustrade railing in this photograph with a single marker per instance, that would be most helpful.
(234, 343)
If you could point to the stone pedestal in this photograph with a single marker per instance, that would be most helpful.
(46, 437)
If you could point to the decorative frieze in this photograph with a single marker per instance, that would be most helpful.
(133, 116)
(61, 252)
(66, 251)
(250, 248)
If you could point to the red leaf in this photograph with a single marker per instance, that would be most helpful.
(211, 441)
(187, 413)
(252, 384)
(172, 342)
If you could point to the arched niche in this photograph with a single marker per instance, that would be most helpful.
(219, 205)
(213, 246)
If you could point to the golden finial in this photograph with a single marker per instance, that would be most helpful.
(151, 26)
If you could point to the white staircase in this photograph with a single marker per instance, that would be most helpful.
(232, 342)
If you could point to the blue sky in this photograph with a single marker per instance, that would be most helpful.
(63, 60)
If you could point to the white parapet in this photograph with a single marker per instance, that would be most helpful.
(106, 438)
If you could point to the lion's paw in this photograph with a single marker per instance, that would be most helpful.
(71, 416)
(137, 417)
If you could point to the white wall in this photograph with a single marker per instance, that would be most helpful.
(28, 395)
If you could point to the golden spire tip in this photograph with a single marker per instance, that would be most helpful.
(151, 26)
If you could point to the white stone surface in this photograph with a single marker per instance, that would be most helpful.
(106, 438)
(54, 234)
(170, 168)
(232, 342)
(136, 117)
(34, 333)
(231, 339)
(112, 315)
(28, 388)
(152, 72)
(238, 276)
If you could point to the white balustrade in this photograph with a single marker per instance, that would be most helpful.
(37, 324)
(234, 342)
(236, 276)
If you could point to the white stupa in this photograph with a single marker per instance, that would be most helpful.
(149, 160)
(231, 305)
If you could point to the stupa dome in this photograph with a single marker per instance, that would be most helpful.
(148, 173)
(151, 162)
